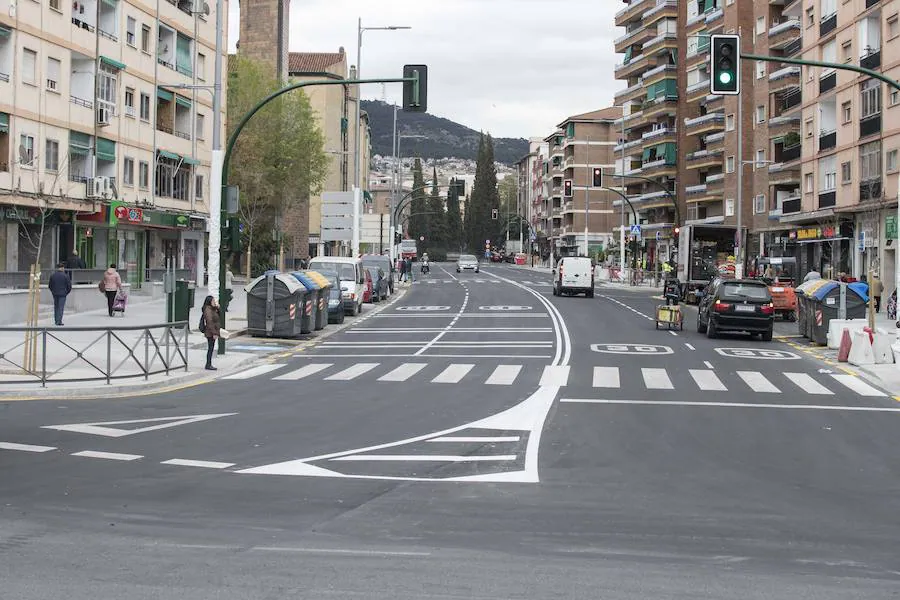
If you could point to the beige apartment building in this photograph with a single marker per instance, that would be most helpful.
(530, 183)
(101, 136)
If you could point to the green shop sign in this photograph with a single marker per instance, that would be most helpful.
(120, 213)
(890, 227)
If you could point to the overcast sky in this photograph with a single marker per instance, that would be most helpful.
(514, 68)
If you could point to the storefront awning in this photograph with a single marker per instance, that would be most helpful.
(164, 94)
(110, 62)
(169, 155)
(190, 161)
(4, 123)
(183, 102)
(106, 150)
(111, 3)
(5, 32)
(79, 143)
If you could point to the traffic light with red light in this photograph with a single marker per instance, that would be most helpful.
(598, 177)
(567, 188)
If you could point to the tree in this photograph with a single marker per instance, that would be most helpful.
(453, 219)
(417, 223)
(436, 236)
(507, 191)
(484, 197)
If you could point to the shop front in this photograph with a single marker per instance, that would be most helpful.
(26, 231)
(92, 238)
(824, 248)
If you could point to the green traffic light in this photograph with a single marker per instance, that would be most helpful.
(725, 77)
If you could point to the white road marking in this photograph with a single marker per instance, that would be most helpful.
(606, 377)
(403, 372)
(255, 371)
(453, 374)
(431, 355)
(425, 458)
(656, 379)
(808, 384)
(707, 364)
(437, 338)
(203, 464)
(858, 385)
(107, 455)
(707, 380)
(690, 347)
(504, 375)
(758, 382)
(732, 405)
(404, 330)
(102, 427)
(341, 551)
(303, 372)
(673, 332)
(487, 439)
(352, 372)
(554, 376)
(25, 447)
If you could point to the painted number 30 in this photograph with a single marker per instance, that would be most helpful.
(631, 349)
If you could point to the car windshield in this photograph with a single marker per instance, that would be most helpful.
(745, 291)
(346, 271)
(373, 271)
(467, 258)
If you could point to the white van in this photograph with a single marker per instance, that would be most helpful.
(574, 275)
(353, 280)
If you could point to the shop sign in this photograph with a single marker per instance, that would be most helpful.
(814, 233)
(98, 217)
(129, 215)
(890, 227)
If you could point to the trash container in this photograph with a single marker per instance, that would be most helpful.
(324, 293)
(274, 305)
(824, 305)
(180, 301)
(310, 312)
(802, 292)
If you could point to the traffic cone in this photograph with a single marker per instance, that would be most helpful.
(844, 349)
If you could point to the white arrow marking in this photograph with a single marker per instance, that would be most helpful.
(101, 428)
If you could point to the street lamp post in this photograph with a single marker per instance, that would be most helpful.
(398, 175)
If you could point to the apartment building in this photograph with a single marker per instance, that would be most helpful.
(102, 137)
(529, 173)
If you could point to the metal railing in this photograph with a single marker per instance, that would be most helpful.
(61, 355)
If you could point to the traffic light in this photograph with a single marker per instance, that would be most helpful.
(675, 233)
(725, 65)
(397, 237)
(231, 235)
(567, 188)
(415, 93)
(598, 177)
(495, 213)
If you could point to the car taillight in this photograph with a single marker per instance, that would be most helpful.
(720, 306)
(768, 309)
(560, 271)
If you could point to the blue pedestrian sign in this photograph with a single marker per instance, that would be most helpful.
(658, 235)
(636, 230)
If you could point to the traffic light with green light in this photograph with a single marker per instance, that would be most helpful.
(725, 65)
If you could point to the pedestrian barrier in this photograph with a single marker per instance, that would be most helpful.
(77, 354)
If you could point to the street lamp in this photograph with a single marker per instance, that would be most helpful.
(397, 178)
(741, 242)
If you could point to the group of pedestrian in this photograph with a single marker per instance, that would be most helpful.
(404, 266)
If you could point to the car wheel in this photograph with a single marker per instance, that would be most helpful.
(589, 294)
(711, 332)
(342, 317)
(767, 335)
(701, 328)
(556, 293)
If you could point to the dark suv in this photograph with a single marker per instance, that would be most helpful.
(736, 305)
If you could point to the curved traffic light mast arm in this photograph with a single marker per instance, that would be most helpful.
(408, 198)
(663, 188)
(625, 198)
(827, 65)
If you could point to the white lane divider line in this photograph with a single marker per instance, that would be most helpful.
(657, 379)
(504, 375)
(707, 380)
(202, 464)
(403, 372)
(758, 382)
(707, 364)
(25, 447)
(731, 405)
(453, 374)
(858, 385)
(635, 311)
(107, 455)
(303, 372)
(424, 458)
(555, 376)
(689, 347)
(486, 439)
(254, 372)
(352, 372)
(808, 384)
(606, 377)
(675, 333)
(436, 338)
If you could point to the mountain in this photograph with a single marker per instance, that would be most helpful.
(443, 137)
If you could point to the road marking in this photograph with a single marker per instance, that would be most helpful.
(107, 455)
(425, 458)
(673, 332)
(758, 382)
(341, 551)
(453, 374)
(203, 464)
(352, 372)
(504, 375)
(487, 439)
(449, 326)
(255, 371)
(430, 355)
(808, 384)
(25, 447)
(554, 376)
(858, 385)
(641, 349)
(707, 380)
(690, 347)
(405, 330)
(102, 428)
(303, 372)
(657, 379)
(606, 377)
(756, 354)
(733, 405)
(707, 364)
(403, 372)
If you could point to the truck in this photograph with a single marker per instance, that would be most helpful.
(705, 252)
(407, 249)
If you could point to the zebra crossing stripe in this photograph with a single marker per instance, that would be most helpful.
(254, 372)
(657, 379)
(554, 376)
(808, 384)
(858, 385)
(606, 377)
(403, 372)
(352, 372)
(303, 372)
(758, 382)
(707, 381)
(504, 375)
(453, 374)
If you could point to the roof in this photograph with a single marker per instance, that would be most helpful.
(313, 62)
(604, 114)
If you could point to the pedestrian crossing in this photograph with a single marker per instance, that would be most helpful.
(429, 281)
(600, 377)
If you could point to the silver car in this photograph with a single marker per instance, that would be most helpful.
(466, 262)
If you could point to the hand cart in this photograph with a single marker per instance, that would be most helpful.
(670, 316)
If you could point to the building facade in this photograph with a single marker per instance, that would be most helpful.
(104, 144)
(529, 173)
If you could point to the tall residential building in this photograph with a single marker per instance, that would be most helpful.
(529, 172)
(101, 137)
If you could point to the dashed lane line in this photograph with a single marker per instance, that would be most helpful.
(107, 455)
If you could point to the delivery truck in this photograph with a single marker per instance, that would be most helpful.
(705, 252)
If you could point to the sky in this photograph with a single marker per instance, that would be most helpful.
(513, 68)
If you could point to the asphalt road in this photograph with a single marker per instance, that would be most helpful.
(480, 438)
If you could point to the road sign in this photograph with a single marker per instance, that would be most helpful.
(636, 230)
(658, 235)
(533, 236)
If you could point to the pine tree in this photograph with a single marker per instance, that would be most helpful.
(436, 218)
(484, 198)
(417, 224)
(454, 224)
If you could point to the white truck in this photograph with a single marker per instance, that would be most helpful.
(705, 252)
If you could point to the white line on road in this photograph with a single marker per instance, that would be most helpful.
(673, 332)
(476, 439)
(858, 385)
(758, 382)
(403, 372)
(504, 375)
(203, 464)
(453, 374)
(255, 371)
(343, 551)
(25, 447)
(707, 364)
(554, 376)
(808, 384)
(689, 346)
(431, 355)
(733, 405)
(352, 372)
(107, 455)
(303, 372)
(606, 377)
(707, 380)
(657, 379)
(425, 458)
(437, 338)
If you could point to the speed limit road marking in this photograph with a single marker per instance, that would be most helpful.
(423, 308)
(504, 308)
(642, 349)
(757, 354)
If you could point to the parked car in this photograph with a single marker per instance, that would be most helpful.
(736, 305)
(380, 288)
(336, 311)
(353, 279)
(574, 275)
(369, 290)
(384, 262)
(466, 262)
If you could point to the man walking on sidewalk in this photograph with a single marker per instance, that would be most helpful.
(60, 286)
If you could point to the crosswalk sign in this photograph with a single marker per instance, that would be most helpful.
(636, 230)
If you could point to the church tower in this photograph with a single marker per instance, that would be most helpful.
(264, 33)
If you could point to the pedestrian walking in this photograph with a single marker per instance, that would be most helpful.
(60, 286)
(110, 285)
(409, 270)
(876, 289)
(74, 262)
(402, 262)
(210, 327)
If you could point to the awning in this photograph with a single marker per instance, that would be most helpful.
(169, 155)
(112, 63)
(164, 94)
(183, 102)
(5, 32)
(106, 150)
(190, 161)
(4, 123)
(111, 3)
(79, 143)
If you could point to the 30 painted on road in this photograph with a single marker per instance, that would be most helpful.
(642, 349)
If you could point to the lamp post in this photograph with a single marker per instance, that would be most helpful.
(398, 176)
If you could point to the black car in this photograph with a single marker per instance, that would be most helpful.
(335, 297)
(380, 287)
(384, 262)
(736, 305)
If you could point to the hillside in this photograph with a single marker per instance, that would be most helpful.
(444, 138)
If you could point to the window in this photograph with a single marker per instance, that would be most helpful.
(895, 97)
(829, 54)
(201, 66)
(145, 38)
(810, 16)
(891, 161)
(760, 158)
(143, 175)
(128, 172)
(729, 122)
(26, 150)
(129, 102)
(846, 112)
(760, 25)
(29, 66)
(145, 107)
(829, 7)
(759, 204)
(870, 98)
(761, 114)
(51, 155)
(130, 31)
(201, 125)
(845, 172)
(198, 187)
(54, 4)
(729, 207)
(53, 67)
(893, 28)
(870, 161)
(809, 128)
(827, 175)
(107, 92)
(729, 164)
(847, 51)
(808, 183)
(760, 69)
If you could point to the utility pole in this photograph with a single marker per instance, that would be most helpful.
(216, 266)
(587, 193)
(739, 164)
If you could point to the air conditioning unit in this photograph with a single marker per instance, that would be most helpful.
(109, 190)
(103, 115)
(95, 187)
(51, 85)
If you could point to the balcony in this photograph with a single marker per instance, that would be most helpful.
(713, 16)
(632, 12)
(633, 144)
(705, 123)
(791, 99)
(657, 168)
(658, 72)
(715, 140)
(656, 134)
(660, 106)
(871, 3)
(698, 90)
(827, 140)
(638, 35)
(827, 82)
(784, 174)
(828, 24)
(661, 43)
(783, 34)
(781, 126)
(870, 125)
(704, 158)
(793, 48)
(663, 8)
(790, 153)
(872, 60)
(629, 93)
(695, 190)
(791, 205)
(827, 199)
(870, 190)
(635, 66)
(782, 79)
(715, 183)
